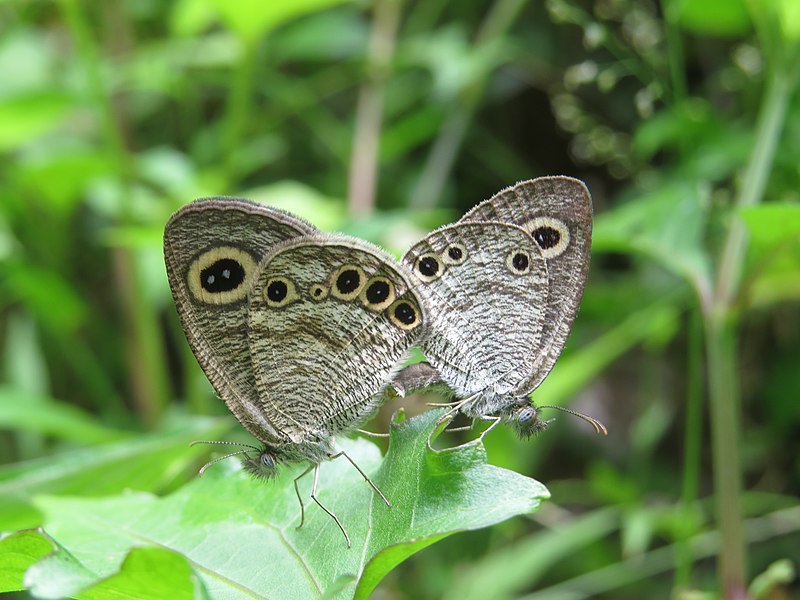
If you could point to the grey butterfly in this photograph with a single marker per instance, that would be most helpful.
(298, 331)
(502, 287)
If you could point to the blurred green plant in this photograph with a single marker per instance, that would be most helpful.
(385, 121)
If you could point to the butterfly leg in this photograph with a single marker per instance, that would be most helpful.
(322, 506)
(364, 475)
(299, 497)
(494, 420)
(372, 433)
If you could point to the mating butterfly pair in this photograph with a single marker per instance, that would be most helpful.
(301, 332)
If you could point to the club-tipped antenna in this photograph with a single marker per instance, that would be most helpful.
(598, 426)
(247, 448)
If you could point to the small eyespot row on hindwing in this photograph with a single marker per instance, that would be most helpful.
(518, 262)
(318, 292)
(347, 282)
(428, 267)
(280, 292)
(550, 234)
(404, 313)
(454, 254)
(377, 294)
(220, 275)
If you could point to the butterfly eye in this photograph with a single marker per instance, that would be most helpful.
(221, 275)
(428, 267)
(519, 262)
(377, 294)
(551, 235)
(280, 292)
(454, 254)
(347, 282)
(404, 314)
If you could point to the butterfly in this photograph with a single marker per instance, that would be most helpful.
(501, 289)
(298, 331)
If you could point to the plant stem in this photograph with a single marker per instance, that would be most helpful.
(691, 452)
(721, 337)
(145, 354)
(446, 146)
(239, 108)
(369, 113)
(780, 86)
(725, 408)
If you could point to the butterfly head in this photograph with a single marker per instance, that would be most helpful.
(264, 465)
(527, 421)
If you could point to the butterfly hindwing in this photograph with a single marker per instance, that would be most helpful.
(329, 319)
(557, 213)
(481, 282)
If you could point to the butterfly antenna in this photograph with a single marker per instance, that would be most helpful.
(225, 443)
(598, 426)
(216, 460)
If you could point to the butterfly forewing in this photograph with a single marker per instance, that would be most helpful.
(329, 319)
(212, 249)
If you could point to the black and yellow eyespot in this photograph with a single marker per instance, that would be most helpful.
(519, 262)
(221, 275)
(347, 282)
(318, 292)
(428, 267)
(404, 313)
(550, 234)
(377, 294)
(279, 292)
(454, 254)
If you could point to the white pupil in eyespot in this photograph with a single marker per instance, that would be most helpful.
(226, 273)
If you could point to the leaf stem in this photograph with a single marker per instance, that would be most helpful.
(145, 354)
(721, 325)
(369, 113)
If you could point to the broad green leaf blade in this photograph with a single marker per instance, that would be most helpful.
(773, 253)
(668, 225)
(240, 535)
(18, 552)
(147, 462)
(25, 411)
(251, 19)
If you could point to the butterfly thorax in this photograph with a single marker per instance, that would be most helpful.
(517, 411)
(265, 464)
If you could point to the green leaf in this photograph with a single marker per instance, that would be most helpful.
(240, 538)
(18, 552)
(773, 274)
(25, 118)
(251, 19)
(145, 462)
(23, 410)
(715, 17)
(772, 223)
(667, 224)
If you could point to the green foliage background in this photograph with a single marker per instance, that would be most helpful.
(385, 119)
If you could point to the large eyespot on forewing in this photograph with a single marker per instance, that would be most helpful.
(221, 275)
(550, 234)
